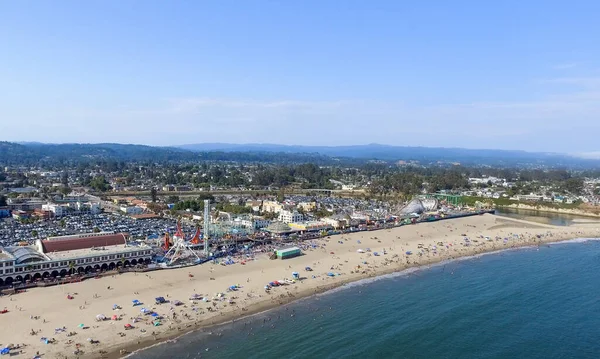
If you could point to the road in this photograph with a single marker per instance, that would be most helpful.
(235, 192)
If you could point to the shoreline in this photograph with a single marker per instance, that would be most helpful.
(265, 308)
(406, 248)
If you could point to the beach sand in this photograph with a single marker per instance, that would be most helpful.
(41, 310)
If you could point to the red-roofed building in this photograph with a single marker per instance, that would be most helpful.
(82, 241)
(61, 256)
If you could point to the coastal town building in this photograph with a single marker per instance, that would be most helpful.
(286, 216)
(310, 226)
(272, 206)
(307, 206)
(279, 228)
(131, 210)
(336, 221)
(255, 222)
(71, 208)
(20, 214)
(60, 256)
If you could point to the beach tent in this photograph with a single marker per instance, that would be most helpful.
(308, 269)
(295, 275)
(5, 351)
(177, 302)
(114, 317)
(160, 300)
(100, 317)
(136, 302)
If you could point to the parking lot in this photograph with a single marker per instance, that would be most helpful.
(12, 231)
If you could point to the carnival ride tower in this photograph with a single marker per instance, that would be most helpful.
(180, 249)
(206, 226)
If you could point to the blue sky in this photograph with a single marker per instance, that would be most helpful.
(474, 74)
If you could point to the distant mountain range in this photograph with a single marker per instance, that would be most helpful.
(35, 152)
(31, 153)
(421, 154)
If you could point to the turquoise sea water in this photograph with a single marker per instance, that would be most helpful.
(528, 303)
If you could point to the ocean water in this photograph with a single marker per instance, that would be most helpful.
(555, 219)
(527, 303)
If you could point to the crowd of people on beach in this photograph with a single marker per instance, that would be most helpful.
(327, 262)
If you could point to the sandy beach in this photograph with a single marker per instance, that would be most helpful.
(72, 330)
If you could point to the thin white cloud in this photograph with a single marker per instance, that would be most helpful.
(587, 82)
(570, 108)
(195, 104)
(565, 66)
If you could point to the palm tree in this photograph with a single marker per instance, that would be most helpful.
(71, 267)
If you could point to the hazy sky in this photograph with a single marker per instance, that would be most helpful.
(475, 74)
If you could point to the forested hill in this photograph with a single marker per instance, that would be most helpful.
(34, 153)
(423, 155)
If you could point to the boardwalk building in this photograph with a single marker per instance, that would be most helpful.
(60, 256)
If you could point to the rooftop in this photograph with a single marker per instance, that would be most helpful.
(86, 252)
(4, 256)
(278, 228)
(25, 254)
(85, 241)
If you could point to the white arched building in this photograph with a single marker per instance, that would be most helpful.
(59, 256)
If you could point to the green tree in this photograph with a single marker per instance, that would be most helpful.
(172, 199)
(207, 196)
(154, 194)
(100, 184)
(573, 185)
(64, 179)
